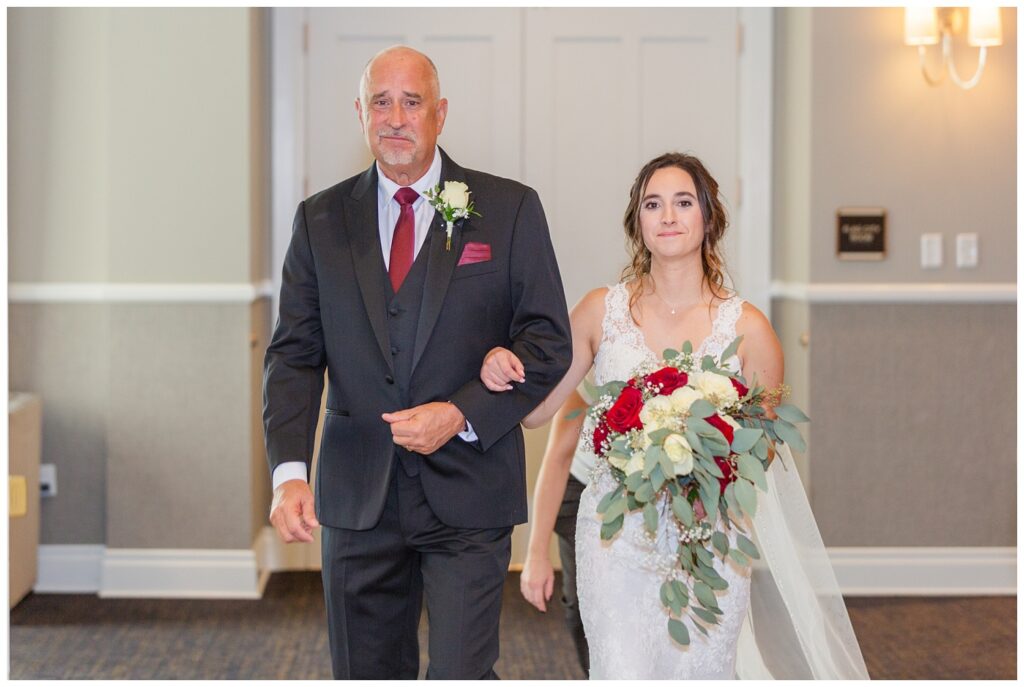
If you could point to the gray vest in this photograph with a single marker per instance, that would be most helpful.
(403, 318)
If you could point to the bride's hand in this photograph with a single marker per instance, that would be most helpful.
(500, 367)
(537, 581)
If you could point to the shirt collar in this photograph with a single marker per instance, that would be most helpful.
(386, 189)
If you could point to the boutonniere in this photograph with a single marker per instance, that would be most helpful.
(453, 203)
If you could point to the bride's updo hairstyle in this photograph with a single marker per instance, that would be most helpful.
(711, 207)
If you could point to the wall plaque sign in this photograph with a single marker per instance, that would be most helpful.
(860, 233)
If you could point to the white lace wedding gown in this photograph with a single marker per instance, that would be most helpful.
(619, 580)
(805, 631)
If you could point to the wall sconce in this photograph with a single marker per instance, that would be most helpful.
(924, 26)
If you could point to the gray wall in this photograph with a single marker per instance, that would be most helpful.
(138, 155)
(913, 404)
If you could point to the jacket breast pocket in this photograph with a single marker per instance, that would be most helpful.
(475, 269)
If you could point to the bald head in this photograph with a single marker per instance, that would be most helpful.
(399, 55)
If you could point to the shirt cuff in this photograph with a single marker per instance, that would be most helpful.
(295, 469)
(468, 435)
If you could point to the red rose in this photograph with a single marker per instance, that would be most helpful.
(740, 389)
(600, 434)
(722, 426)
(625, 414)
(726, 468)
(669, 378)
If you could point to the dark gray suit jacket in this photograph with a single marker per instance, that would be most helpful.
(333, 316)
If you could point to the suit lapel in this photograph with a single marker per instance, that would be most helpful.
(440, 265)
(364, 239)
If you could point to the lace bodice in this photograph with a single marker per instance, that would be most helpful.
(623, 350)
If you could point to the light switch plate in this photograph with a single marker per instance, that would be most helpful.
(967, 250)
(931, 251)
(48, 479)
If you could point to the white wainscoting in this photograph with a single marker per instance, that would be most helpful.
(242, 574)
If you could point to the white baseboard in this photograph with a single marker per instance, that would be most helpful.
(180, 573)
(242, 574)
(69, 568)
(925, 571)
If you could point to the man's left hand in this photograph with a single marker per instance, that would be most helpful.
(425, 428)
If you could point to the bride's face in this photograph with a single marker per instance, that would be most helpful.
(670, 215)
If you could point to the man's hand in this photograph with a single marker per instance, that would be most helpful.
(425, 428)
(500, 367)
(291, 512)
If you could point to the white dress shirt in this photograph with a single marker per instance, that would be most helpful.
(388, 210)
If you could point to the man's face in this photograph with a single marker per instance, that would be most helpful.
(400, 113)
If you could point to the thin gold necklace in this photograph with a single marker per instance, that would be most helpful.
(672, 308)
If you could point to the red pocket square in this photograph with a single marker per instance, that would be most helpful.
(475, 252)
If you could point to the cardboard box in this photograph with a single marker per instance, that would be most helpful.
(25, 420)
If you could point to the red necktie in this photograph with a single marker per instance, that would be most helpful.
(403, 242)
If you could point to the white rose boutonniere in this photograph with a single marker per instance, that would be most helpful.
(452, 203)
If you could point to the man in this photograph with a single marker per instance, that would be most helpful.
(421, 474)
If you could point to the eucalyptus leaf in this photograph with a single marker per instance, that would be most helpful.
(712, 578)
(746, 546)
(658, 435)
(711, 467)
(720, 542)
(634, 481)
(615, 509)
(701, 408)
(657, 477)
(645, 493)
(744, 439)
(707, 616)
(575, 414)
(696, 443)
(683, 511)
(680, 593)
(705, 595)
(699, 626)
(731, 349)
(761, 448)
(651, 459)
(670, 354)
(751, 468)
(651, 517)
(791, 435)
(687, 347)
(708, 363)
(609, 529)
(631, 502)
(740, 557)
(730, 498)
(608, 498)
(791, 413)
(678, 631)
(703, 555)
(699, 425)
(668, 595)
(747, 497)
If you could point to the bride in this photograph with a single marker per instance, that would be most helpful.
(785, 617)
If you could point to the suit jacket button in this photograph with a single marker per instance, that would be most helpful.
(393, 310)
(394, 350)
(389, 379)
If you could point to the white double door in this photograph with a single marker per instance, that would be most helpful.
(569, 101)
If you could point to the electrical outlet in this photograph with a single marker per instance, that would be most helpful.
(967, 250)
(48, 479)
(931, 251)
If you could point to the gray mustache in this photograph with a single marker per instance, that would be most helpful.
(396, 134)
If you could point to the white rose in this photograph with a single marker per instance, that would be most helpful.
(682, 398)
(455, 194)
(680, 453)
(716, 388)
(655, 412)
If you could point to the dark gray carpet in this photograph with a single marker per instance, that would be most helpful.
(283, 636)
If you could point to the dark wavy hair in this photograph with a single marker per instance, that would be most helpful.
(711, 207)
